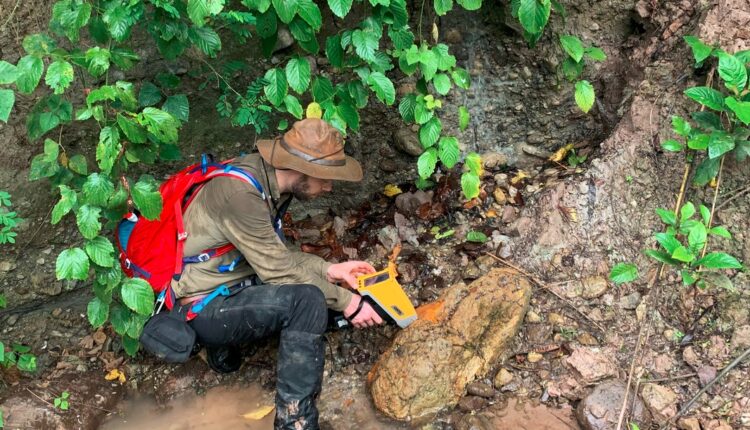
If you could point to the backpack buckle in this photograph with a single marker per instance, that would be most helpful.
(127, 264)
(204, 257)
(182, 236)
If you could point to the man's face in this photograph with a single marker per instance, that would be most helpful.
(307, 188)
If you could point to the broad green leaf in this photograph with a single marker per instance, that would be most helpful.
(470, 4)
(445, 61)
(741, 109)
(683, 254)
(199, 10)
(68, 17)
(8, 72)
(707, 170)
(406, 107)
(474, 162)
(149, 94)
(687, 211)
(721, 232)
(680, 126)
(130, 345)
(72, 263)
(267, 24)
(585, 95)
(97, 312)
(672, 145)
(476, 236)
(623, 272)
(449, 151)
(206, 39)
(463, 118)
(120, 318)
(719, 260)
(365, 43)
(7, 100)
(421, 113)
(132, 130)
(30, 70)
(667, 217)
(334, 51)
(719, 144)
(699, 142)
(426, 163)
(443, 6)
(77, 164)
(124, 58)
(108, 148)
(667, 241)
(718, 280)
(349, 114)
(177, 106)
(97, 189)
(706, 96)
(293, 106)
(38, 44)
(594, 53)
(382, 87)
(87, 218)
(429, 132)
(68, 199)
(310, 12)
(147, 199)
(461, 78)
(322, 89)
(661, 256)
(285, 9)
(705, 214)
(277, 88)
(470, 185)
(701, 51)
(138, 295)
(98, 60)
(571, 69)
(101, 251)
(697, 237)
(59, 76)
(402, 38)
(534, 14)
(733, 72)
(707, 119)
(298, 74)
(135, 328)
(573, 46)
(161, 124)
(442, 83)
(45, 165)
(340, 8)
(119, 20)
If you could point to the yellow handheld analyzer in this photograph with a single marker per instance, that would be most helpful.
(383, 290)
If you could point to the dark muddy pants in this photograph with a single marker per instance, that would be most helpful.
(299, 314)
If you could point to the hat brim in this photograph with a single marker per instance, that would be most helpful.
(280, 158)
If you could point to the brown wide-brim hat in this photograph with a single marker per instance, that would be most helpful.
(313, 147)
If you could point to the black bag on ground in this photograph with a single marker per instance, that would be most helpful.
(169, 337)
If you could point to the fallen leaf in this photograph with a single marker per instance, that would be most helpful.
(99, 337)
(259, 413)
(570, 214)
(491, 213)
(115, 374)
(520, 176)
(391, 190)
(560, 154)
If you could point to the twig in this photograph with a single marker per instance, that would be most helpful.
(85, 405)
(220, 76)
(35, 395)
(713, 205)
(739, 193)
(12, 12)
(670, 378)
(544, 286)
(41, 224)
(723, 373)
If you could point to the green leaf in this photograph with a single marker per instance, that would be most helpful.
(59, 76)
(124, 58)
(463, 118)
(442, 83)
(45, 165)
(584, 95)
(741, 109)
(7, 100)
(349, 114)
(149, 95)
(77, 164)
(120, 318)
(571, 69)
(298, 74)
(382, 87)
(267, 24)
(534, 14)
(334, 51)
(68, 199)
(449, 151)
(97, 312)
(161, 124)
(667, 217)
(721, 232)
(72, 264)
(98, 60)
(365, 43)
(426, 163)
(130, 345)
(476, 236)
(667, 241)
(680, 126)
(719, 144)
(406, 107)
(707, 120)
(662, 257)
(97, 189)
(470, 185)
(68, 17)
(443, 6)
(322, 89)
(461, 78)
(147, 199)
(30, 70)
(429, 132)
(87, 217)
(699, 142)
(470, 4)
(206, 39)
(310, 12)
(706, 96)
(293, 106)
(672, 145)
(594, 53)
(474, 162)
(683, 254)
(285, 9)
(697, 237)
(687, 211)
(340, 8)
(277, 88)
(719, 260)
(8, 73)
(138, 295)
(445, 61)
(573, 46)
(108, 148)
(38, 44)
(402, 38)
(701, 51)
(177, 106)
(705, 214)
(101, 251)
(132, 130)
(199, 10)
(733, 72)
(707, 170)
(623, 272)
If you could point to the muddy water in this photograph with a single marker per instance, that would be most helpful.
(524, 415)
(219, 408)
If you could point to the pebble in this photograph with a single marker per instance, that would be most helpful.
(587, 339)
(7, 266)
(480, 389)
(509, 214)
(536, 152)
(534, 357)
(502, 378)
(472, 403)
(57, 312)
(741, 337)
(533, 317)
(11, 320)
(630, 301)
(499, 195)
(661, 401)
(40, 261)
(492, 160)
(594, 286)
(535, 138)
(556, 319)
(688, 424)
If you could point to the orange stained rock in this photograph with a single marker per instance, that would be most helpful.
(431, 312)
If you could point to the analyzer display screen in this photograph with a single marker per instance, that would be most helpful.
(377, 279)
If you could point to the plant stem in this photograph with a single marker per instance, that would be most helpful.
(713, 205)
(219, 75)
(419, 26)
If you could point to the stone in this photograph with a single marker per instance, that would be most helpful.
(388, 236)
(593, 287)
(453, 36)
(510, 214)
(600, 409)
(472, 271)
(456, 338)
(409, 202)
(284, 39)
(407, 141)
(534, 357)
(7, 266)
(533, 318)
(21, 412)
(535, 151)
(661, 401)
(492, 160)
(691, 357)
(556, 319)
(480, 389)
(472, 403)
(535, 138)
(40, 261)
(592, 364)
(741, 337)
(499, 195)
(502, 378)
(11, 320)
(587, 339)
(691, 423)
(631, 301)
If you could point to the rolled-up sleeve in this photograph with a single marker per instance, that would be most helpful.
(247, 224)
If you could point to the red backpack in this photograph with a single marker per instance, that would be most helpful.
(153, 249)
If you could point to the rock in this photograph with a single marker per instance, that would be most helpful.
(21, 413)
(630, 301)
(536, 152)
(453, 36)
(7, 266)
(492, 160)
(587, 339)
(601, 408)
(408, 203)
(688, 424)
(407, 141)
(284, 39)
(502, 378)
(592, 364)
(535, 138)
(593, 287)
(406, 88)
(534, 357)
(663, 363)
(11, 320)
(499, 195)
(691, 357)
(471, 272)
(406, 231)
(388, 165)
(472, 403)
(533, 317)
(480, 389)
(388, 236)
(661, 401)
(40, 261)
(510, 214)
(456, 338)
(556, 319)
(706, 374)
(741, 337)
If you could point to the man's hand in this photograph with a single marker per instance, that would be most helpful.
(366, 317)
(347, 272)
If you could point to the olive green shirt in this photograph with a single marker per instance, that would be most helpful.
(231, 210)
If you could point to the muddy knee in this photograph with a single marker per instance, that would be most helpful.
(308, 309)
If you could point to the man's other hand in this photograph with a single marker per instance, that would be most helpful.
(366, 317)
(347, 272)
